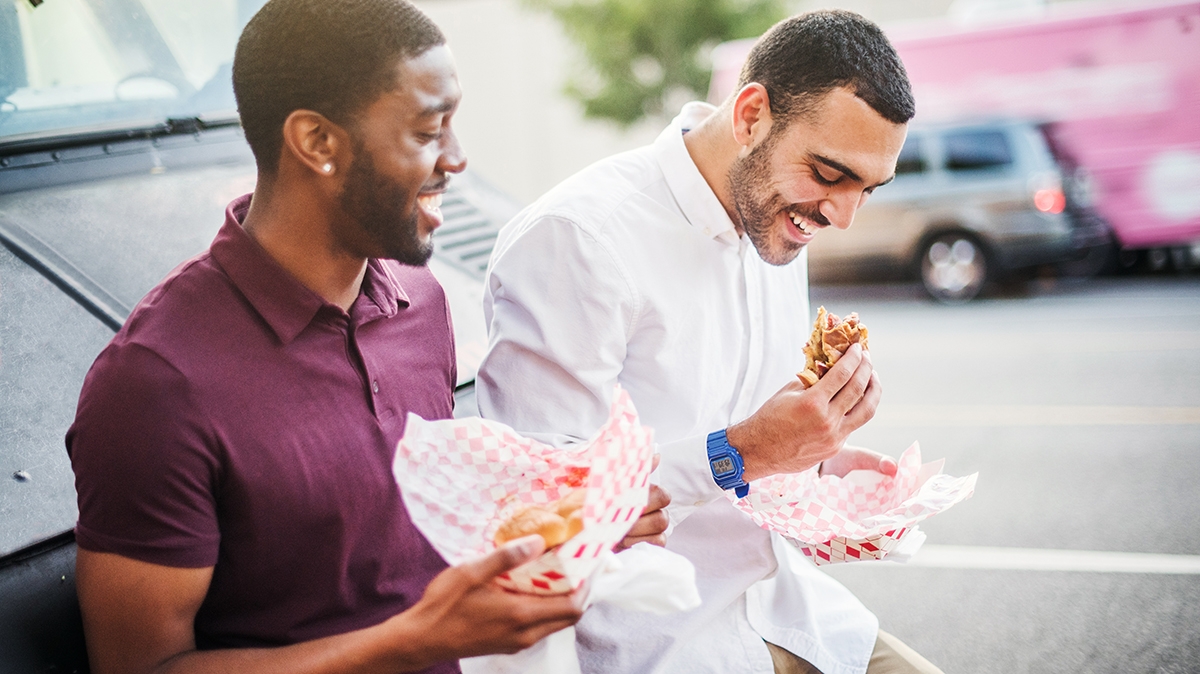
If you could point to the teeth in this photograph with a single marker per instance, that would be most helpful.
(430, 202)
(800, 223)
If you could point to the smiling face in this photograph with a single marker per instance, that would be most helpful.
(812, 174)
(404, 150)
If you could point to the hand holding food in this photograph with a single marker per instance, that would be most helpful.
(830, 339)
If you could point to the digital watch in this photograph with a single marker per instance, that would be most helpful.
(726, 464)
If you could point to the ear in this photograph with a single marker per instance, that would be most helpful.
(751, 116)
(315, 142)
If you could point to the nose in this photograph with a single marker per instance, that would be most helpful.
(839, 208)
(452, 159)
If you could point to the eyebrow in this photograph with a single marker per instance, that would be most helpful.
(846, 170)
(439, 109)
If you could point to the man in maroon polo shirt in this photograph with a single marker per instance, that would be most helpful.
(233, 444)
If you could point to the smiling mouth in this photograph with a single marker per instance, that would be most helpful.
(802, 223)
(430, 202)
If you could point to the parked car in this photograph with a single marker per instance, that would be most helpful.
(970, 203)
(119, 150)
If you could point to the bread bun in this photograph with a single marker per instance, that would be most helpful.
(570, 503)
(534, 520)
(555, 522)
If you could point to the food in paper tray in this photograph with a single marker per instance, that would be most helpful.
(864, 515)
(556, 523)
(831, 337)
(463, 480)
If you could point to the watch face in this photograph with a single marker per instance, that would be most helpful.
(722, 466)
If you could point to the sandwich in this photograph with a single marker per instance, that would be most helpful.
(831, 337)
(555, 522)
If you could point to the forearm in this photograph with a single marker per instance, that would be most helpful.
(395, 645)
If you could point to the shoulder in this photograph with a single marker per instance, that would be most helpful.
(597, 197)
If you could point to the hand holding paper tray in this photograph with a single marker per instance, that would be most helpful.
(461, 478)
(864, 515)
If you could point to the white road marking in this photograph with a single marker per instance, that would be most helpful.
(1034, 343)
(1036, 559)
(1032, 415)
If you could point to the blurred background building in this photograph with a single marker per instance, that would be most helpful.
(525, 135)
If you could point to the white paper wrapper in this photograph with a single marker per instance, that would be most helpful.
(642, 578)
(865, 515)
(460, 478)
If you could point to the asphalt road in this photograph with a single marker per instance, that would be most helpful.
(1078, 403)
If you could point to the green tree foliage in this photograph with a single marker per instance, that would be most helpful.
(640, 53)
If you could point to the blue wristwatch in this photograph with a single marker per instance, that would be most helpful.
(726, 464)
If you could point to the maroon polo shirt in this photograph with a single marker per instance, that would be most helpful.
(239, 421)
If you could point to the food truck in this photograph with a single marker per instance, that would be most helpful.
(1117, 86)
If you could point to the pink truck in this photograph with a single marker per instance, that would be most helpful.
(1117, 85)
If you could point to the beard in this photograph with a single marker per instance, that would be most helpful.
(377, 205)
(749, 184)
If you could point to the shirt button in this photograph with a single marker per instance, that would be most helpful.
(375, 386)
(699, 503)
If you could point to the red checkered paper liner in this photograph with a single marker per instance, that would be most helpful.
(862, 516)
(461, 478)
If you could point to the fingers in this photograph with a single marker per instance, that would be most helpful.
(841, 372)
(659, 540)
(854, 389)
(864, 408)
(659, 499)
(651, 527)
(505, 558)
(648, 525)
(888, 466)
(851, 458)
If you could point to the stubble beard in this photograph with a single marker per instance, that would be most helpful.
(749, 183)
(378, 206)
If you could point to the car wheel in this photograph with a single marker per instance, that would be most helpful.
(953, 267)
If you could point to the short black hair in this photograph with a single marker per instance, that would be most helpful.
(802, 58)
(334, 57)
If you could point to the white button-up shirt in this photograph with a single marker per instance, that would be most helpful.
(631, 272)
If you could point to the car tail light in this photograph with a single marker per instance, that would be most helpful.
(1050, 200)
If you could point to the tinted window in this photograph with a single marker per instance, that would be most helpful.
(972, 150)
(47, 344)
(912, 159)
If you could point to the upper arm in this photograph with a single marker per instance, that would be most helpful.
(560, 309)
(136, 615)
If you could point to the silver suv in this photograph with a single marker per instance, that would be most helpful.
(970, 203)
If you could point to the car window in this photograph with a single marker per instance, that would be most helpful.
(975, 150)
(47, 344)
(71, 64)
(912, 158)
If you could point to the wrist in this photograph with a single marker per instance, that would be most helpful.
(405, 643)
(739, 435)
(726, 464)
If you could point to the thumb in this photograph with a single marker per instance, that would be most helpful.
(506, 558)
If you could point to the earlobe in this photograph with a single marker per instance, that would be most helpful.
(312, 140)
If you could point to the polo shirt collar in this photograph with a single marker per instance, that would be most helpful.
(697, 201)
(286, 304)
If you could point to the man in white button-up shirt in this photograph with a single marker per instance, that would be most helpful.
(676, 270)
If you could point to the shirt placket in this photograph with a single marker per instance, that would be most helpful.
(754, 335)
(362, 364)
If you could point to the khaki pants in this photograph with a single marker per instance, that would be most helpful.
(891, 656)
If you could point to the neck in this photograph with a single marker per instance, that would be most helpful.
(714, 150)
(295, 225)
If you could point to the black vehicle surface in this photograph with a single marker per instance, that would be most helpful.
(105, 186)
